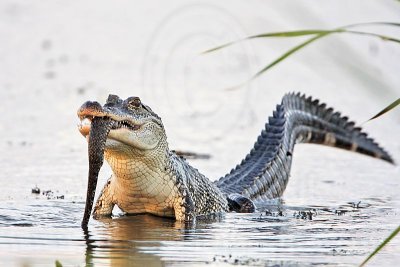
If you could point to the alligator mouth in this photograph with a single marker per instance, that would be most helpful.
(86, 122)
(125, 124)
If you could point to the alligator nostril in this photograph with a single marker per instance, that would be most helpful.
(113, 99)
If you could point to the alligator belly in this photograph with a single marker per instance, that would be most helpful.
(139, 204)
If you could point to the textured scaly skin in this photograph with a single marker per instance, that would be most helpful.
(158, 182)
(265, 171)
(167, 188)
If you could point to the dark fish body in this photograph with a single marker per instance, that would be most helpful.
(99, 130)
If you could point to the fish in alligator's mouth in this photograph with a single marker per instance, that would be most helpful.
(86, 122)
(96, 144)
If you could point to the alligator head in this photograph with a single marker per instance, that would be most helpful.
(120, 127)
(134, 125)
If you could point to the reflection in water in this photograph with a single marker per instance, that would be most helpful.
(123, 236)
(276, 234)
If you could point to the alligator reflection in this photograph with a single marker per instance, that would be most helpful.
(118, 240)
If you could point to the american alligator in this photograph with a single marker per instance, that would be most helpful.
(148, 177)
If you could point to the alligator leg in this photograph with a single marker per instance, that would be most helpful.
(105, 203)
(240, 204)
(184, 206)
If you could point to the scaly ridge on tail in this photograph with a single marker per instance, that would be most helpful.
(265, 171)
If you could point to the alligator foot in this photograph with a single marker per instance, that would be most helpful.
(105, 203)
(241, 204)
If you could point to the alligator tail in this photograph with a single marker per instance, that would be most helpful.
(265, 171)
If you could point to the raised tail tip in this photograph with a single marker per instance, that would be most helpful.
(372, 149)
(386, 157)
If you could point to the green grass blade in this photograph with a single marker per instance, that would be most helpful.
(275, 34)
(388, 108)
(222, 46)
(292, 33)
(377, 23)
(390, 237)
(303, 33)
(319, 36)
(288, 53)
(383, 37)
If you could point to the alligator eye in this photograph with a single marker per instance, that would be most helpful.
(135, 102)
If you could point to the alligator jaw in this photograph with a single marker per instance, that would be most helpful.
(99, 129)
(92, 109)
(85, 125)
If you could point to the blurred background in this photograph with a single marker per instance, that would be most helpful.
(55, 55)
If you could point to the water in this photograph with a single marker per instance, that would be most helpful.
(44, 230)
(57, 55)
